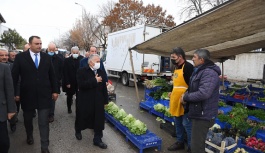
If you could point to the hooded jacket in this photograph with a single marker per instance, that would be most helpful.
(203, 92)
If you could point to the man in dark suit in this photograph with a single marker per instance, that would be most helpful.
(83, 62)
(92, 96)
(58, 69)
(7, 105)
(71, 65)
(38, 89)
(4, 58)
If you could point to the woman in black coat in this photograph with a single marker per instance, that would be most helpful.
(91, 98)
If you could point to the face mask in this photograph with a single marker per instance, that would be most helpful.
(56, 52)
(96, 66)
(75, 56)
(173, 62)
(51, 53)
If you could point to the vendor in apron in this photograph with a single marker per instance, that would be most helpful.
(181, 75)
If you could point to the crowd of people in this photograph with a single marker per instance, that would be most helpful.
(33, 79)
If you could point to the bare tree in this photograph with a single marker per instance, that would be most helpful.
(196, 7)
(105, 9)
(214, 3)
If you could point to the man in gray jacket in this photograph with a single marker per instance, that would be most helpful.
(7, 105)
(202, 98)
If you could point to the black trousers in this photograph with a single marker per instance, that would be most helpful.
(52, 108)
(198, 134)
(4, 138)
(18, 106)
(43, 122)
(69, 100)
(98, 134)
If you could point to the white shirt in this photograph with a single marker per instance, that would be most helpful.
(32, 54)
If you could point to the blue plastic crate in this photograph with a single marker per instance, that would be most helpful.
(223, 125)
(232, 99)
(261, 135)
(226, 109)
(253, 118)
(164, 102)
(116, 123)
(159, 114)
(169, 119)
(147, 105)
(256, 104)
(144, 141)
(147, 92)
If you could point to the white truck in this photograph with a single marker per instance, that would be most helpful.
(146, 66)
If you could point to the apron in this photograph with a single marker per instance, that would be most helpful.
(179, 88)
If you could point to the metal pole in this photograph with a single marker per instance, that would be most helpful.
(134, 77)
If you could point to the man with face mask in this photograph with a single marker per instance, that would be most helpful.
(181, 75)
(83, 62)
(58, 69)
(71, 65)
(92, 96)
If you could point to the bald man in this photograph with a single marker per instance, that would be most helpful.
(58, 69)
(26, 47)
(83, 62)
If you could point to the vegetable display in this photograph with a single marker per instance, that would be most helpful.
(165, 96)
(135, 126)
(240, 150)
(155, 82)
(167, 113)
(159, 108)
(255, 143)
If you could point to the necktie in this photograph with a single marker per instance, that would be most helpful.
(36, 61)
(95, 71)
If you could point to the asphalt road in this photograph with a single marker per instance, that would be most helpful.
(62, 134)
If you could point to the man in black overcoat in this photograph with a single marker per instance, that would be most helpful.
(58, 69)
(38, 88)
(71, 65)
(92, 97)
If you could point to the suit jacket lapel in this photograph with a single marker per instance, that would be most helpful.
(29, 59)
(42, 60)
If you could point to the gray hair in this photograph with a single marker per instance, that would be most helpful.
(74, 48)
(203, 53)
(12, 51)
(3, 49)
(92, 56)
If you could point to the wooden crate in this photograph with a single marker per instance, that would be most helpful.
(221, 148)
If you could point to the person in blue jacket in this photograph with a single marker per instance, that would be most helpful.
(83, 62)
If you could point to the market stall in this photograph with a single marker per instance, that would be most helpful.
(235, 27)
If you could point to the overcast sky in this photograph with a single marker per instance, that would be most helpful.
(51, 18)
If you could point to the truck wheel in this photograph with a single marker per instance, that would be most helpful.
(125, 79)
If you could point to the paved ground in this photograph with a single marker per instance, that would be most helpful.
(62, 138)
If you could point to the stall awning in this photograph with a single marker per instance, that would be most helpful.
(234, 27)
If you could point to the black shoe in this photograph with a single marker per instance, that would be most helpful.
(69, 111)
(30, 140)
(45, 150)
(78, 135)
(101, 145)
(51, 119)
(176, 146)
(13, 127)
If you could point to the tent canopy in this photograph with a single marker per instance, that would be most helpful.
(234, 27)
